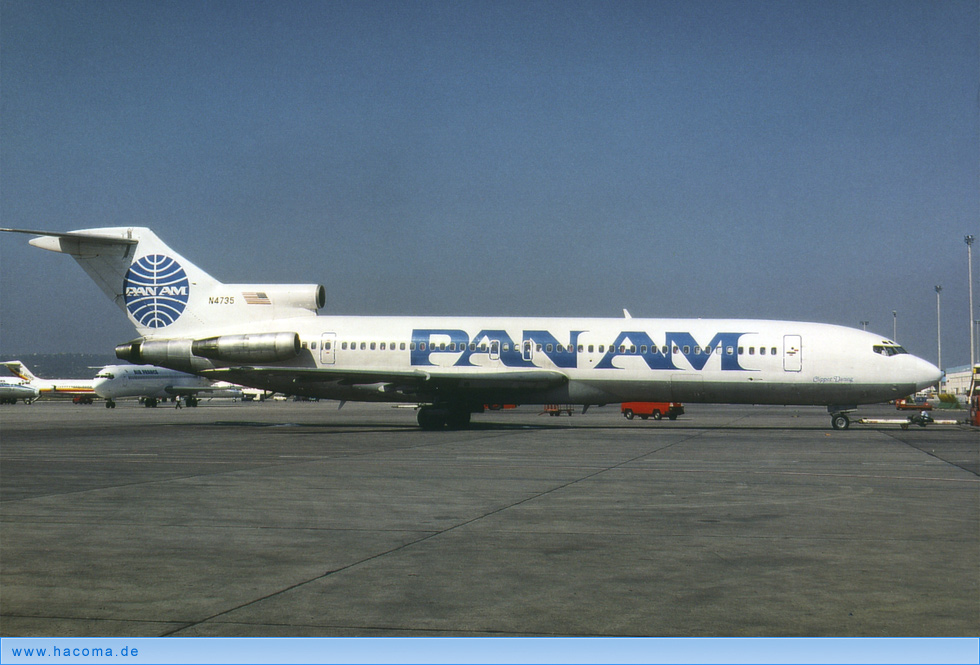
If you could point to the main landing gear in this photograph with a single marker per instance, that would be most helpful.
(433, 417)
(838, 416)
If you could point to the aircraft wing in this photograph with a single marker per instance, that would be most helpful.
(187, 391)
(413, 384)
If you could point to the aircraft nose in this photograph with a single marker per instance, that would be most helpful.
(926, 374)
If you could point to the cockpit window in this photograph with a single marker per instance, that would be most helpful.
(889, 349)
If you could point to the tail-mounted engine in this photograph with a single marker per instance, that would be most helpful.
(194, 354)
(255, 348)
(285, 299)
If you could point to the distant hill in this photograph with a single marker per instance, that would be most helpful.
(63, 365)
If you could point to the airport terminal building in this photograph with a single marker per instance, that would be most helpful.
(957, 381)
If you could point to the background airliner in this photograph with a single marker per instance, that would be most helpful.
(13, 389)
(155, 383)
(78, 389)
(271, 337)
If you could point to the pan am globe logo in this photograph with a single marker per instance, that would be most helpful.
(156, 290)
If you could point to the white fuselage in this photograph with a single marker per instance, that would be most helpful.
(117, 381)
(590, 361)
(48, 388)
(12, 390)
(65, 388)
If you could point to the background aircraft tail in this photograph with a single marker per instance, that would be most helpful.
(19, 369)
(165, 295)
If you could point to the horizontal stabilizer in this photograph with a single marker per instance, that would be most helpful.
(79, 243)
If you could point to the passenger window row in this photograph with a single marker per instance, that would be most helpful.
(549, 348)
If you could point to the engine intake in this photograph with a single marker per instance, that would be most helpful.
(249, 348)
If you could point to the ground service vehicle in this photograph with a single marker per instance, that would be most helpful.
(915, 404)
(656, 410)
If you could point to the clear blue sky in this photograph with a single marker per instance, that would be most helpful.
(800, 160)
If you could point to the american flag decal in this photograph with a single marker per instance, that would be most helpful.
(256, 298)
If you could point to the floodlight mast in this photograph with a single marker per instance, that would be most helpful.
(969, 261)
(939, 326)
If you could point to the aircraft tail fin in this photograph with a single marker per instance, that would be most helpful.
(165, 295)
(19, 369)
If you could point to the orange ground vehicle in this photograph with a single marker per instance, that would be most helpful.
(913, 404)
(655, 410)
(558, 409)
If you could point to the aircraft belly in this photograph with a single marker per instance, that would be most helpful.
(693, 390)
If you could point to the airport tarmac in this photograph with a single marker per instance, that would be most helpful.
(284, 519)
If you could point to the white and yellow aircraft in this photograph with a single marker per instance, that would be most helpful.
(80, 390)
(271, 337)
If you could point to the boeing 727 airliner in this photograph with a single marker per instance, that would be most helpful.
(271, 337)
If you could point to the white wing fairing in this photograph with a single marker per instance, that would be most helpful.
(270, 337)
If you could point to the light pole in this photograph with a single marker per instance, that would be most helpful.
(969, 263)
(939, 326)
(977, 324)
(864, 325)
(894, 326)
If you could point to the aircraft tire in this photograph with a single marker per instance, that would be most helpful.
(840, 421)
(431, 419)
(458, 419)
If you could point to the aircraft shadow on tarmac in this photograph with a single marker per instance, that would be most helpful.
(514, 427)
